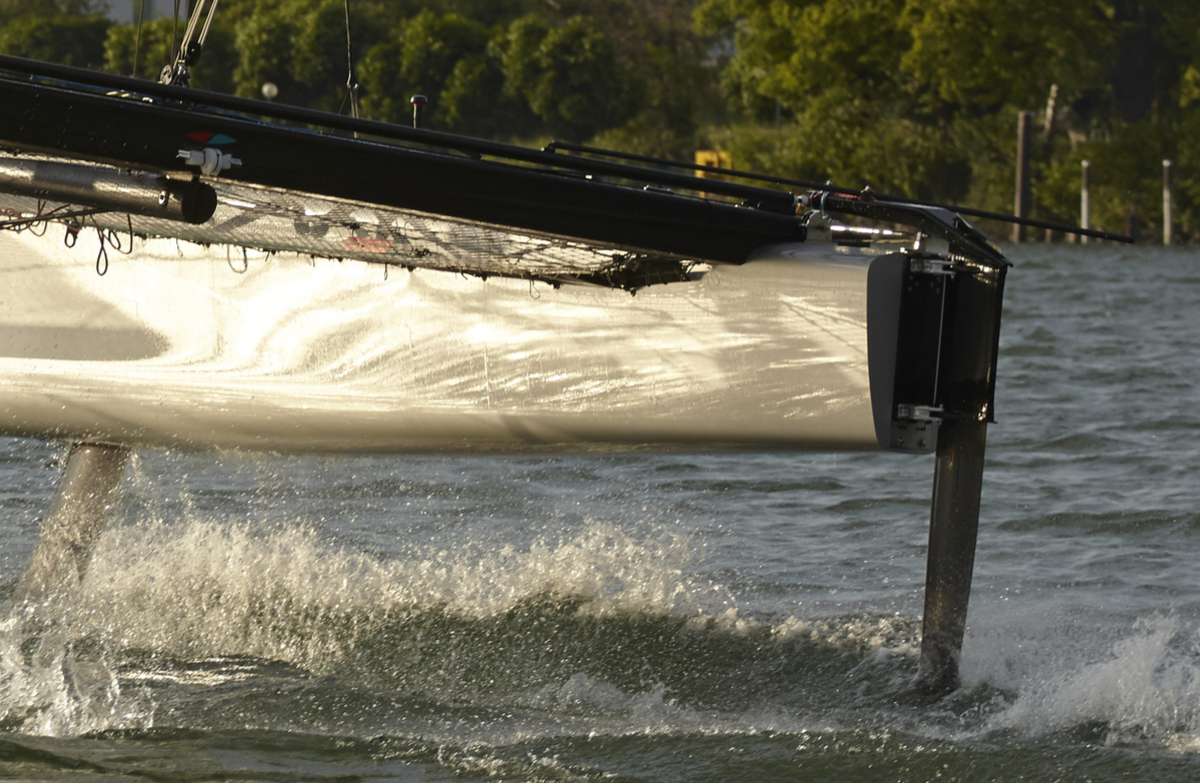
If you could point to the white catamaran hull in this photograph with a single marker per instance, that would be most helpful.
(180, 344)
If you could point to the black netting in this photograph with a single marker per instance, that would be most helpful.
(275, 220)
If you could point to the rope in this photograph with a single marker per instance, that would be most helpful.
(42, 218)
(102, 254)
(245, 262)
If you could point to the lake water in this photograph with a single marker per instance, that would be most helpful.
(637, 616)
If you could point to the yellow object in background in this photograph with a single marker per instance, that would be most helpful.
(719, 158)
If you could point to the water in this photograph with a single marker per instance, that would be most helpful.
(746, 616)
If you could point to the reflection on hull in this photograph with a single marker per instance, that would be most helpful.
(179, 344)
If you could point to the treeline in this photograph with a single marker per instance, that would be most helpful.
(633, 73)
(911, 96)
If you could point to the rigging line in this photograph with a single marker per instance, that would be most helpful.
(41, 206)
(102, 254)
(189, 32)
(175, 34)
(351, 85)
(137, 40)
(57, 214)
(208, 20)
(586, 150)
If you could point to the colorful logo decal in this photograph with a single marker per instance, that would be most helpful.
(208, 137)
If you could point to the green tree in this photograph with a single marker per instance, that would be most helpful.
(473, 101)
(265, 54)
(569, 75)
(12, 9)
(918, 96)
(678, 86)
(319, 59)
(67, 39)
(442, 56)
(300, 46)
(830, 73)
(979, 56)
(782, 52)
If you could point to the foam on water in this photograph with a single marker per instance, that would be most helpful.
(282, 592)
(471, 624)
(53, 685)
(430, 619)
(1143, 688)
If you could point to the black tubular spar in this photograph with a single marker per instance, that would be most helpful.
(133, 133)
(203, 100)
(953, 530)
(792, 182)
(934, 221)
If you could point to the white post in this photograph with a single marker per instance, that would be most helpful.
(1084, 206)
(1166, 202)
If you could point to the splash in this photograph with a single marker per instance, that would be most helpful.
(616, 628)
(1145, 688)
(52, 685)
(205, 588)
(583, 694)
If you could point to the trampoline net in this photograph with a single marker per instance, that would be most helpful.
(254, 217)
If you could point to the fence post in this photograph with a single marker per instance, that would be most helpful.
(1085, 207)
(1021, 198)
(1166, 201)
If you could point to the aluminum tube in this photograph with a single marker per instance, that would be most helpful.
(109, 189)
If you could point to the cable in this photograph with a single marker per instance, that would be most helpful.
(586, 150)
(351, 84)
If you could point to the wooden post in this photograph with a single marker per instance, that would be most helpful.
(1021, 198)
(1166, 202)
(1085, 207)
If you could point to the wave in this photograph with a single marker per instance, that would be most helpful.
(454, 623)
(1142, 688)
(503, 626)
(598, 631)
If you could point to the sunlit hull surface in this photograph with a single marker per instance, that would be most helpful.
(184, 345)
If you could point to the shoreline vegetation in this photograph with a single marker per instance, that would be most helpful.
(918, 97)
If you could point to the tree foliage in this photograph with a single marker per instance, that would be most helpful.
(922, 96)
(13, 9)
(916, 96)
(568, 74)
(1018, 48)
(70, 39)
(153, 50)
(438, 55)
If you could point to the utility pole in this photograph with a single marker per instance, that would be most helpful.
(1021, 198)
(1085, 207)
(1166, 185)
